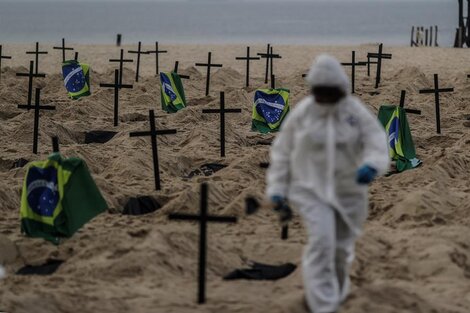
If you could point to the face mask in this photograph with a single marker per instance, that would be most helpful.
(327, 95)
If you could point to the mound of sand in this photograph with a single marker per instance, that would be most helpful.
(415, 252)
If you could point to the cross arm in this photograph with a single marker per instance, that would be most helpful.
(33, 75)
(121, 60)
(211, 65)
(157, 51)
(446, 90)
(42, 107)
(383, 55)
(5, 57)
(413, 111)
(141, 52)
(62, 48)
(247, 58)
(37, 52)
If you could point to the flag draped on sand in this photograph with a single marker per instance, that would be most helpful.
(172, 92)
(59, 196)
(76, 78)
(401, 146)
(269, 109)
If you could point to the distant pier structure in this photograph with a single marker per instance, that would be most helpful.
(462, 34)
(424, 37)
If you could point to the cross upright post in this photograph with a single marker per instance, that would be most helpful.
(203, 218)
(55, 144)
(37, 107)
(153, 133)
(208, 75)
(121, 62)
(116, 87)
(63, 48)
(248, 58)
(138, 52)
(2, 57)
(36, 53)
(222, 110)
(30, 76)
(157, 53)
(436, 91)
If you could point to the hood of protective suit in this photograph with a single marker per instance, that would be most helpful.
(326, 71)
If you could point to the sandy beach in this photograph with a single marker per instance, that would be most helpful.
(414, 255)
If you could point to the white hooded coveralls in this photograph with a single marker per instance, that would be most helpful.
(314, 161)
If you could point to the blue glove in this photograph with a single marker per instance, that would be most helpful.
(277, 200)
(365, 175)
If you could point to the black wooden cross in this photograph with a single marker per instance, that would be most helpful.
(76, 57)
(379, 56)
(203, 218)
(353, 65)
(2, 57)
(153, 133)
(138, 52)
(175, 70)
(269, 56)
(37, 107)
(63, 48)
(36, 53)
(247, 59)
(402, 104)
(121, 62)
(30, 76)
(273, 81)
(116, 87)
(436, 91)
(157, 53)
(222, 110)
(208, 65)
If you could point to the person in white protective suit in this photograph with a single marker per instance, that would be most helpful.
(329, 149)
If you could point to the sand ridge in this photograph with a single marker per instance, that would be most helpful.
(413, 257)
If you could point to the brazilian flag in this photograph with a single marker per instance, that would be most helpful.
(59, 196)
(401, 146)
(269, 109)
(172, 92)
(76, 79)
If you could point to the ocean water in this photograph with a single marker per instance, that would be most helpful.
(226, 21)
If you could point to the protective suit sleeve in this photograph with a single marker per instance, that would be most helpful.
(374, 140)
(278, 174)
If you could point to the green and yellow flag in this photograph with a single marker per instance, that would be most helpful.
(172, 92)
(401, 146)
(59, 196)
(270, 107)
(76, 79)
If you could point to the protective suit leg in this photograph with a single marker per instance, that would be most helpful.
(319, 263)
(345, 240)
